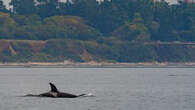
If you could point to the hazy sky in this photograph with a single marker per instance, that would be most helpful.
(171, 1)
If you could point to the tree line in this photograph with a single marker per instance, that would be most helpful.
(122, 20)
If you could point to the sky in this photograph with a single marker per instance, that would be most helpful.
(171, 1)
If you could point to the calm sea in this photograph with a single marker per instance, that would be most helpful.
(114, 88)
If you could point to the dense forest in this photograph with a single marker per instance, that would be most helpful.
(112, 30)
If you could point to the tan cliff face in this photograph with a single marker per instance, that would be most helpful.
(89, 51)
(38, 49)
(36, 46)
(3, 44)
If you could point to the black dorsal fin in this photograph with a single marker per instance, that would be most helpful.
(53, 88)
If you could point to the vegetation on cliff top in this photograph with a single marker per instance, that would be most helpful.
(84, 30)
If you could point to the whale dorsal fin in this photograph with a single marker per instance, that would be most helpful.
(53, 88)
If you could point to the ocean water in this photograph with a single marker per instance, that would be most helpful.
(114, 88)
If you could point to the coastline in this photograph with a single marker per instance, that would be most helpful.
(98, 65)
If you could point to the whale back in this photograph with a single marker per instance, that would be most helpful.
(53, 88)
(54, 93)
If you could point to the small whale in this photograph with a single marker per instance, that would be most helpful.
(54, 93)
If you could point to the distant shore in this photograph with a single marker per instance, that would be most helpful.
(98, 65)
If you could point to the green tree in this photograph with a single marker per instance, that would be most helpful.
(69, 27)
(65, 8)
(145, 8)
(86, 8)
(163, 15)
(184, 20)
(110, 17)
(28, 25)
(24, 7)
(32, 19)
(2, 7)
(7, 26)
(48, 8)
(135, 31)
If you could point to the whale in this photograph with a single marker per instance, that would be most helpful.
(55, 93)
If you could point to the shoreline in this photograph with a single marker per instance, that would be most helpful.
(98, 65)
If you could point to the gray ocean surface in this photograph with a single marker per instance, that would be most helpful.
(114, 88)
